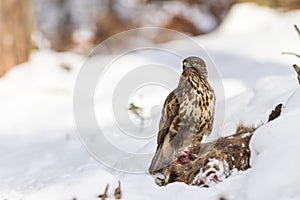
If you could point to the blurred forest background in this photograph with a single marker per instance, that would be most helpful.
(79, 25)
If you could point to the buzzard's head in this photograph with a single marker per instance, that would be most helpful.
(196, 63)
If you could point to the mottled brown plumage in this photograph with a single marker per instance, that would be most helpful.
(187, 116)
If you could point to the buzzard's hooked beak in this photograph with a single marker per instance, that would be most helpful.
(183, 67)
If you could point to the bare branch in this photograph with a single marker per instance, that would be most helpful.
(297, 29)
(291, 53)
(118, 191)
(297, 69)
(104, 195)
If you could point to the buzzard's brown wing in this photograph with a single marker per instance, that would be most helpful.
(169, 111)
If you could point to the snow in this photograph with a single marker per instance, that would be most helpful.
(42, 157)
(278, 138)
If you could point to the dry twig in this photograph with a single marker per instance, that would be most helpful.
(104, 195)
(118, 193)
(297, 69)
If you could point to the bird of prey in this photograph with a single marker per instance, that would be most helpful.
(187, 117)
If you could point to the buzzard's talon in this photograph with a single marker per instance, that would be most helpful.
(160, 179)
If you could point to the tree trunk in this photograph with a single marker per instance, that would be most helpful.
(15, 28)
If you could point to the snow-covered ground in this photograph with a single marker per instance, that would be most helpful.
(41, 156)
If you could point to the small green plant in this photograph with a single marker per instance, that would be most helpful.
(138, 112)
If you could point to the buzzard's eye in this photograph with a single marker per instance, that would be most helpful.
(184, 64)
